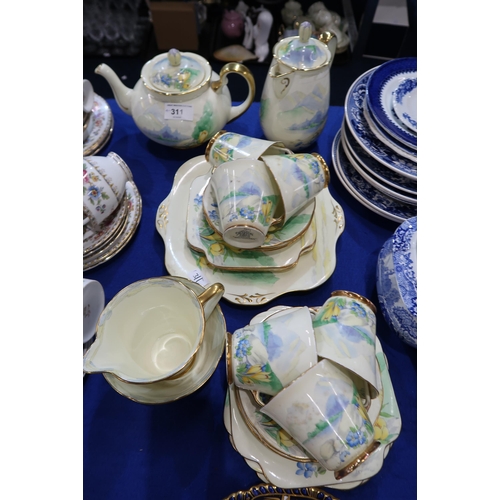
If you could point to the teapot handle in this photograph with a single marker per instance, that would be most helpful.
(242, 70)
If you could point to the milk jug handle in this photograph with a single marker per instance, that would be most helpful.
(242, 70)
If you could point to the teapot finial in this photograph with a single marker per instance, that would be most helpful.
(305, 32)
(174, 57)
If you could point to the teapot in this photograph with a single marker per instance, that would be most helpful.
(296, 94)
(179, 101)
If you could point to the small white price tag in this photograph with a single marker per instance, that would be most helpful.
(198, 277)
(179, 112)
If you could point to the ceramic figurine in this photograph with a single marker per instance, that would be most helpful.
(232, 24)
(291, 11)
(296, 95)
(261, 32)
(179, 101)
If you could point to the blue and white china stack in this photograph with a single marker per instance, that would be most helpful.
(397, 281)
(375, 151)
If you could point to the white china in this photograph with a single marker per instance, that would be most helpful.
(383, 187)
(312, 269)
(93, 304)
(404, 102)
(284, 472)
(88, 125)
(322, 410)
(247, 199)
(179, 101)
(397, 281)
(204, 365)
(277, 237)
(296, 94)
(384, 82)
(151, 330)
(361, 131)
(376, 169)
(102, 128)
(268, 356)
(202, 238)
(345, 328)
(363, 191)
(133, 202)
(299, 177)
(104, 179)
(227, 146)
(88, 96)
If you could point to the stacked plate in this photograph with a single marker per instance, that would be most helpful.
(102, 123)
(280, 251)
(115, 231)
(278, 459)
(375, 152)
(300, 256)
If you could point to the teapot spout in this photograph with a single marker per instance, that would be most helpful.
(121, 92)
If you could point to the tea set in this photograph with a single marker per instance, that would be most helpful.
(305, 384)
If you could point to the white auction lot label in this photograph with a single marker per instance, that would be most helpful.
(179, 112)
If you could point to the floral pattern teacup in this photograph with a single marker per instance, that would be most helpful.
(322, 411)
(300, 177)
(345, 329)
(227, 146)
(267, 356)
(247, 200)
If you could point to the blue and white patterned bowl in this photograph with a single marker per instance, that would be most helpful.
(397, 281)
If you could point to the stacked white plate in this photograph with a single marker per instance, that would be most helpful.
(375, 151)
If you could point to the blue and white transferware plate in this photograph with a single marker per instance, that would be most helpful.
(360, 129)
(397, 281)
(364, 192)
(375, 168)
(384, 81)
(390, 191)
(404, 150)
(404, 102)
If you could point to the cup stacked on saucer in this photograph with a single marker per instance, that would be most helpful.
(255, 209)
(375, 152)
(306, 387)
(112, 208)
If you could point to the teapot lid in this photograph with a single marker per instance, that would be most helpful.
(303, 51)
(176, 72)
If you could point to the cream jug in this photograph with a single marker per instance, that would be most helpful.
(296, 95)
(179, 101)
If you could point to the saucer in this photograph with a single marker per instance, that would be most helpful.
(390, 191)
(203, 239)
(404, 101)
(102, 129)
(269, 492)
(356, 121)
(364, 192)
(133, 200)
(374, 167)
(277, 237)
(92, 241)
(288, 473)
(383, 82)
(205, 363)
(313, 268)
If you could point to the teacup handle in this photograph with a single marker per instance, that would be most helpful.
(242, 70)
(210, 298)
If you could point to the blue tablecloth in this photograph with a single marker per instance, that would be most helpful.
(181, 450)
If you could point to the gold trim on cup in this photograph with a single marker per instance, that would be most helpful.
(229, 362)
(324, 166)
(211, 143)
(340, 474)
(355, 296)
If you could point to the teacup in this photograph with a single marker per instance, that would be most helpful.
(247, 200)
(267, 356)
(300, 177)
(104, 181)
(228, 146)
(345, 328)
(151, 330)
(93, 304)
(322, 411)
